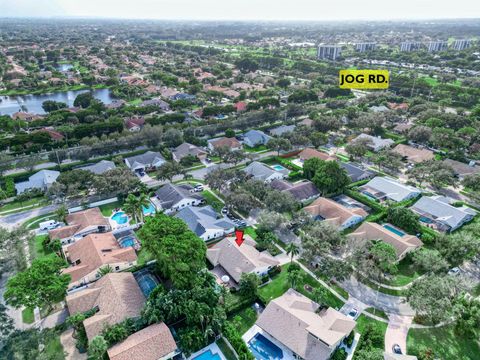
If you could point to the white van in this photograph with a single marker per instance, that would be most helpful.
(48, 225)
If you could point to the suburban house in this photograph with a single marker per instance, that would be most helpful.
(156, 102)
(134, 123)
(461, 169)
(301, 327)
(254, 138)
(80, 224)
(237, 259)
(377, 143)
(280, 130)
(95, 251)
(155, 342)
(356, 173)
(301, 191)
(231, 143)
(340, 216)
(385, 188)
(309, 153)
(100, 167)
(402, 242)
(187, 149)
(205, 222)
(412, 154)
(262, 172)
(41, 180)
(148, 160)
(306, 122)
(436, 211)
(170, 198)
(117, 297)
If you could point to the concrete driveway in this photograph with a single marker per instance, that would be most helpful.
(397, 331)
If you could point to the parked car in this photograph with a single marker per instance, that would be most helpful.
(352, 314)
(225, 210)
(396, 349)
(208, 160)
(197, 188)
(454, 271)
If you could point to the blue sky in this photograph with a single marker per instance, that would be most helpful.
(245, 9)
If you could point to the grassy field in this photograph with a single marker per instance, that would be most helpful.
(36, 247)
(244, 319)
(379, 313)
(107, 209)
(54, 349)
(406, 273)
(27, 316)
(212, 200)
(363, 320)
(250, 231)
(29, 204)
(444, 342)
(280, 285)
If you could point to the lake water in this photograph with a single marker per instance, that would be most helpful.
(33, 103)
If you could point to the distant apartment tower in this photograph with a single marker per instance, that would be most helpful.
(434, 46)
(331, 52)
(363, 47)
(461, 44)
(408, 46)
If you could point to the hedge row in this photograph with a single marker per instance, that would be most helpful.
(237, 342)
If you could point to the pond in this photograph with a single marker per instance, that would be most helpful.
(33, 103)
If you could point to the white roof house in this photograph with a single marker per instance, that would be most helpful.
(237, 260)
(41, 180)
(377, 142)
(149, 159)
(382, 188)
(262, 172)
(254, 138)
(100, 167)
(296, 322)
(205, 222)
(438, 211)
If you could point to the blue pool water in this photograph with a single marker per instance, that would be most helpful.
(278, 167)
(393, 230)
(207, 355)
(120, 217)
(264, 349)
(147, 283)
(127, 241)
(148, 210)
(425, 220)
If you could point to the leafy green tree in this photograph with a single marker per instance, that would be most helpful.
(134, 205)
(97, 348)
(283, 83)
(404, 218)
(83, 100)
(429, 260)
(279, 144)
(41, 285)
(388, 160)
(179, 252)
(466, 312)
(6, 324)
(457, 247)
(358, 148)
(321, 239)
(230, 133)
(328, 176)
(168, 170)
(246, 65)
(61, 213)
(50, 105)
(294, 277)
(248, 285)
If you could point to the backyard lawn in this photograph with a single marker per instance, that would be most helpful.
(27, 316)
(251, 232)
(444, 342)
(244, 319)
(280, 285)
(36, 247)
(363, 320)
(212, 200)
(406, 273)
(107, 209)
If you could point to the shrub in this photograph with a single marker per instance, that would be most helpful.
(237, 342)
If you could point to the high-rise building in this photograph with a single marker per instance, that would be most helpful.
(408, 46)
(461, 44)
(437, 46)
(363, 47)
(331, 52)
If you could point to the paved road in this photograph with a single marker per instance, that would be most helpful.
(14, 220)
(388, 303)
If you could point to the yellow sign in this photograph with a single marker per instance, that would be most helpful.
(364, 79)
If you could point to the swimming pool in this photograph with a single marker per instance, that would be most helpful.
(426, 220)
(147, 282)
(148, 210)
(120, 217)
(127, 241)
(264, 349)
(207, 355)
(393, 230)
(278, 167)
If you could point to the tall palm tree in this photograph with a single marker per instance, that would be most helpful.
(132, 206)
(107, 269)
(143, 201)
(292, 250)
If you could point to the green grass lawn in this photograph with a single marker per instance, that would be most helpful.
(379, 313)
(280, 284)
(37, 250)
(54, 349)
(444, 342)
(107, 209)
(30, 204)
(244, 319)
(381, 288)
(363, 320)
(212, 200)
(406, 273)
(33, 223)
(250, 231)
(27, 316)
(255, 149)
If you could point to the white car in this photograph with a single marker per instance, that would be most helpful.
(454, 271)
(352, 314)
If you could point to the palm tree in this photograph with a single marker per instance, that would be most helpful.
(132, 206)
(61, 213)
(292, 250)
(107, 269)
(143, 201)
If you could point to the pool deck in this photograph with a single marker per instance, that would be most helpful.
(254, 330)
(212, 347)
(115, 225)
